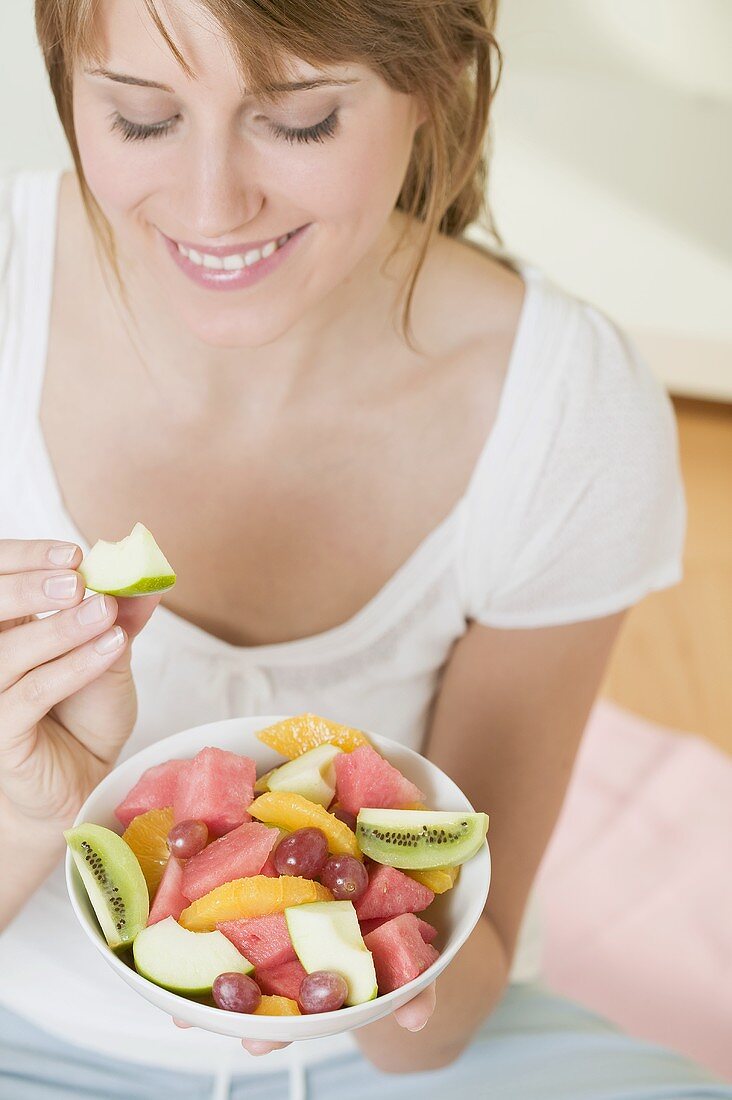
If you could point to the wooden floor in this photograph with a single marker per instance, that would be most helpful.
(673, 662)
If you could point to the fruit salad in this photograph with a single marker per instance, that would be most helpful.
(306, 889)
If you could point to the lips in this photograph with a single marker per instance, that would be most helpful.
(240, 277)
(232, 249)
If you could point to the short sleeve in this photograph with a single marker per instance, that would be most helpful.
(580, 512)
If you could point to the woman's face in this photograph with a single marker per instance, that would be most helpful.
(207, 164)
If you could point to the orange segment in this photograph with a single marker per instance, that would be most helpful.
(436, 879)
(146, 835)
(292, 811)
(413, 806)
(297, 735)
(277, 1006)
(257, 896)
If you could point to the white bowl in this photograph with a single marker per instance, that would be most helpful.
(454, 913)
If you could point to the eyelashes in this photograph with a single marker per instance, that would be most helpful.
(319, 132)
(136, 131)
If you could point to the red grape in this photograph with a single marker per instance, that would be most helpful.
(303, 853)
(188, 838)
(322, 991)
(236, 992)
(346, 817)
(346, 877)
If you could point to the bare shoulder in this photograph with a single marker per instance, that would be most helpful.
(469, 298)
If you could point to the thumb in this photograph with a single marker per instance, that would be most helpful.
(134, 612)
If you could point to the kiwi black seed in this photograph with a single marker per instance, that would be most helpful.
(113, 879)
(412, 839)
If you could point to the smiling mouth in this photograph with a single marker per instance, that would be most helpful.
(233, 258)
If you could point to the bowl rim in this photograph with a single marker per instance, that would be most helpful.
(151, 752)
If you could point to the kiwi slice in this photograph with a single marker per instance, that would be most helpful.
(113, 880)
(420, 839)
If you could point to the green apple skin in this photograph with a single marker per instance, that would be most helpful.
(185, 962)
(134, 566)
(326, 936)
(143, 587)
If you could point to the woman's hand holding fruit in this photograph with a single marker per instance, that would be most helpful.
(67, 699)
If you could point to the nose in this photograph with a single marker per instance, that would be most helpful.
(221, 199)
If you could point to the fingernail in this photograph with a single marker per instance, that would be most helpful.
(63, 554)
(92, 610)
(61, 588)
(419, 1028)
(113, 639)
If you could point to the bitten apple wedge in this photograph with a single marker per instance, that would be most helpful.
(326, 936)
(134, 566)
(185, 962)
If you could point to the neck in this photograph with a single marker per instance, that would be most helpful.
(330, 346)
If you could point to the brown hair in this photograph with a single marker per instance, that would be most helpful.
(444, 51)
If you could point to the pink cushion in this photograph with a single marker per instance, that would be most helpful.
(636, 886)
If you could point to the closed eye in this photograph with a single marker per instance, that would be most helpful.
(137, 131)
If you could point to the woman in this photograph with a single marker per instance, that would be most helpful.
(405, 483)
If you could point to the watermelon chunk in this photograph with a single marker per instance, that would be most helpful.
(364, 778)
(400, 954)
(427, 931)
(154, 790)
(239, 854)
(170, 901)
(265, 941)
(216, 786)
(269, 868)
(390, 893)
(281, 981)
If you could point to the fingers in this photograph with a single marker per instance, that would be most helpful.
(415, 1013)
(134, 612)
(258, 1046)
(26, 702)
(38, 591)
(254, 1046)
(18, 555)
(35, 643)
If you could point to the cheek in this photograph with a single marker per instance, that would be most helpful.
(355, 180)
(117, 177)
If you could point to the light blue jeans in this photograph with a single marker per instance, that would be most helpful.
(534, 1046)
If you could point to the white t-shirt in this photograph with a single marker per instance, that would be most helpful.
(574, 510)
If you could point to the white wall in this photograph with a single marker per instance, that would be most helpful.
(612, 164)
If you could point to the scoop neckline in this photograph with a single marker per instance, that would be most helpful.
(395, 596)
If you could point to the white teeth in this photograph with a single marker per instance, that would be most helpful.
(235, 262)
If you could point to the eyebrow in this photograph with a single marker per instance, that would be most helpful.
(292, 86)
